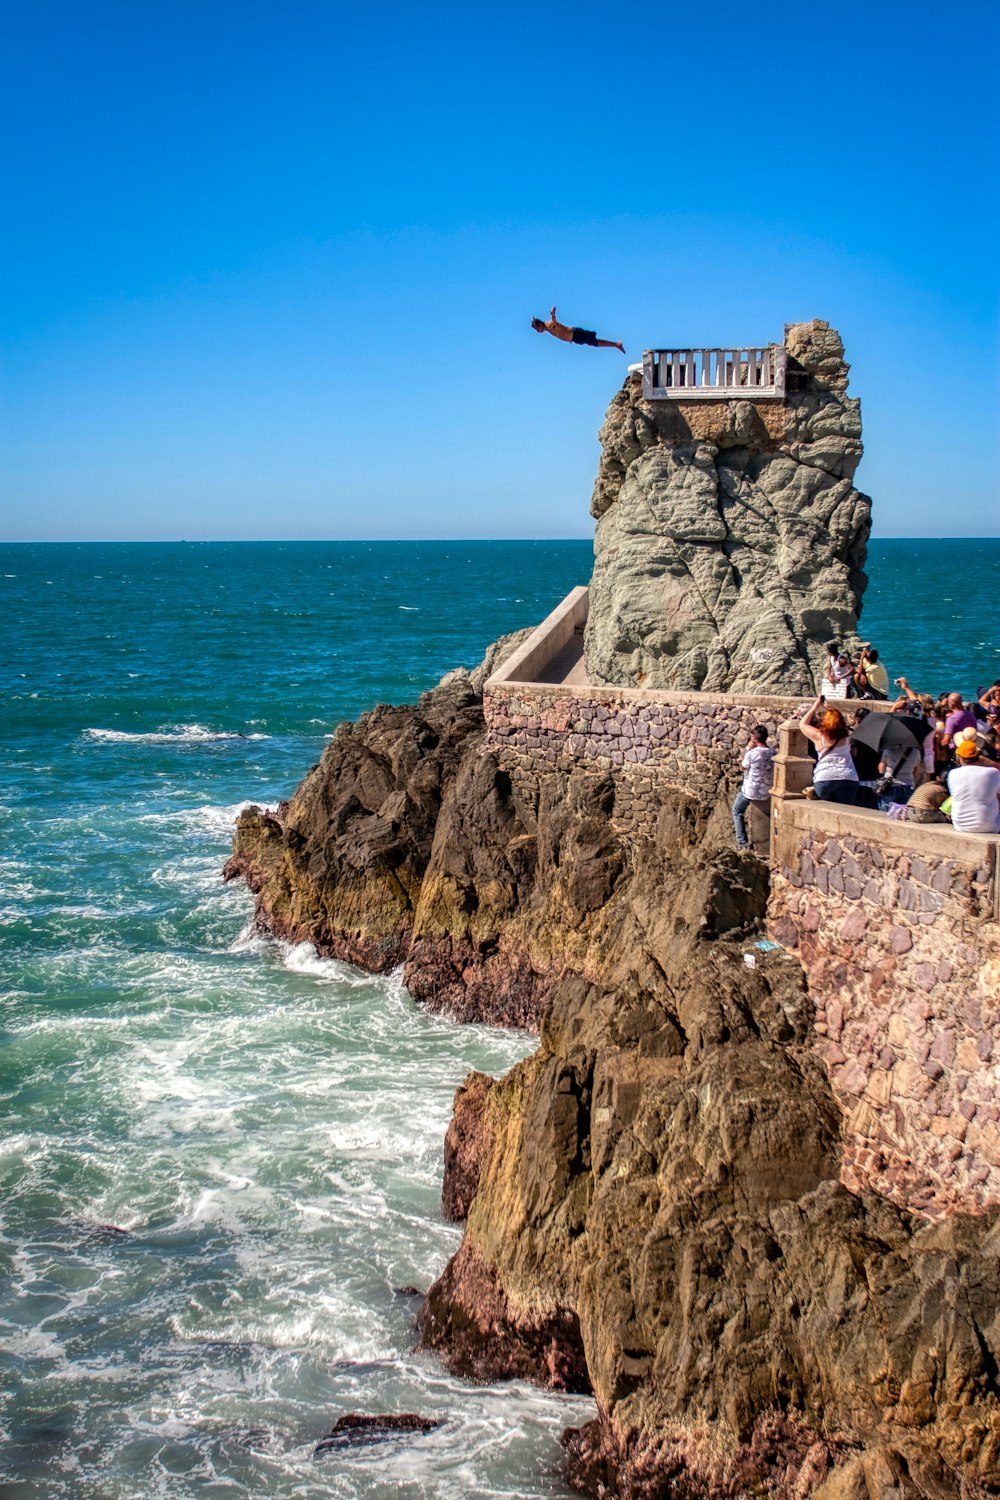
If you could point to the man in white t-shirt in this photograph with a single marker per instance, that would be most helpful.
(758, 774)
(975, 792)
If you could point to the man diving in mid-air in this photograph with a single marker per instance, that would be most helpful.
(573, 335)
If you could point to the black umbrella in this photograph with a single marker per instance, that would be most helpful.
(882, 732)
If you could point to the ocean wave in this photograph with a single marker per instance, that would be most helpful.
(211, 817)
(302, 958)
(173, 734)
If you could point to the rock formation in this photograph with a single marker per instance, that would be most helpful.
(730, 541)
(657, 1212)
(653, 1203)
(652, 1197)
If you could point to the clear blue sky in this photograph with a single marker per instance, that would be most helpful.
(268, 268)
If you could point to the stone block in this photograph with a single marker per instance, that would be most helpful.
(899, 1032)
(853, 926)
(943, 1048)
(879, 1089)
(900, 939)
(851, 1078)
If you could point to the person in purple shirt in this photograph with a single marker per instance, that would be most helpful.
(958, 717)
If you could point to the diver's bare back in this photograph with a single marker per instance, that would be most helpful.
(573, 335)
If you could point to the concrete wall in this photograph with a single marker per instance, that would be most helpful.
(896, 927)
(557, 631)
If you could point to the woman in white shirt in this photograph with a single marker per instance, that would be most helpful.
(834, 776)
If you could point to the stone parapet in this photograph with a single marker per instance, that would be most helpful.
(649, 740)
(896, 927)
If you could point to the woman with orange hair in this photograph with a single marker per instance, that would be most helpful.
(834, 776)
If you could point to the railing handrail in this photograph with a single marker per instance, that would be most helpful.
(712, 372)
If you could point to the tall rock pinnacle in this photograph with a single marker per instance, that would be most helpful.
(730, 539)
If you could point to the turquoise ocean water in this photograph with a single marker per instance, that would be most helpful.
(219, 1157)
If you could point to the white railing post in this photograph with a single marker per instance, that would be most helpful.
(780, 369)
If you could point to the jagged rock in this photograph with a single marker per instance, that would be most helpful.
(343, 868)
(658, 1186)
(730, 542)
(466, 1145)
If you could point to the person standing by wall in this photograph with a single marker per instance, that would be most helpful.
(838, 672)
(758, 774)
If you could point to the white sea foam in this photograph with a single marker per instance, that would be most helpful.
(173, 734)
(303, 959)
(212, 818)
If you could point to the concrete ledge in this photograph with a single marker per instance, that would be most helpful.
(937, 840)
(770, 707)
(544, 643)
(791, 818)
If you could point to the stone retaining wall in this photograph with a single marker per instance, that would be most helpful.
(896, 927)
(648, 740)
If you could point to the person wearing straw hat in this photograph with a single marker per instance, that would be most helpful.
(975, 791)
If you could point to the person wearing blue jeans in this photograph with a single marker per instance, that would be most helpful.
(758, 773)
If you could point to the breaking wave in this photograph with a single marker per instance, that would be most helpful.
(173, 734)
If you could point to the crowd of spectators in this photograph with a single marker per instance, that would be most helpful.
(919, 759)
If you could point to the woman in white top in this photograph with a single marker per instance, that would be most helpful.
(834, 776)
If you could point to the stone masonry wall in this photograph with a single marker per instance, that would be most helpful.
(648, 741)
(896, 929)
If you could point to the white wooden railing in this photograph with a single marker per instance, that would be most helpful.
(715, 374)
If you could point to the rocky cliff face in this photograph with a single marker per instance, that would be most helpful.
(652, 1198)
(408, 845)
(730, 540)
(653, 1209)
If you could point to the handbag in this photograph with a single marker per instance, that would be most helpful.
(882, 785)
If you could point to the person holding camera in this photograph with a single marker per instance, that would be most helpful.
(758, 773)
(834, 776)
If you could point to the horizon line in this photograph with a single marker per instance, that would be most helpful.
(382, 540)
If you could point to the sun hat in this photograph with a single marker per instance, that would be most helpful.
(967, 749)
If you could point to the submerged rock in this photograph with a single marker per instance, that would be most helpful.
(360, 1430)
(730, 540)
